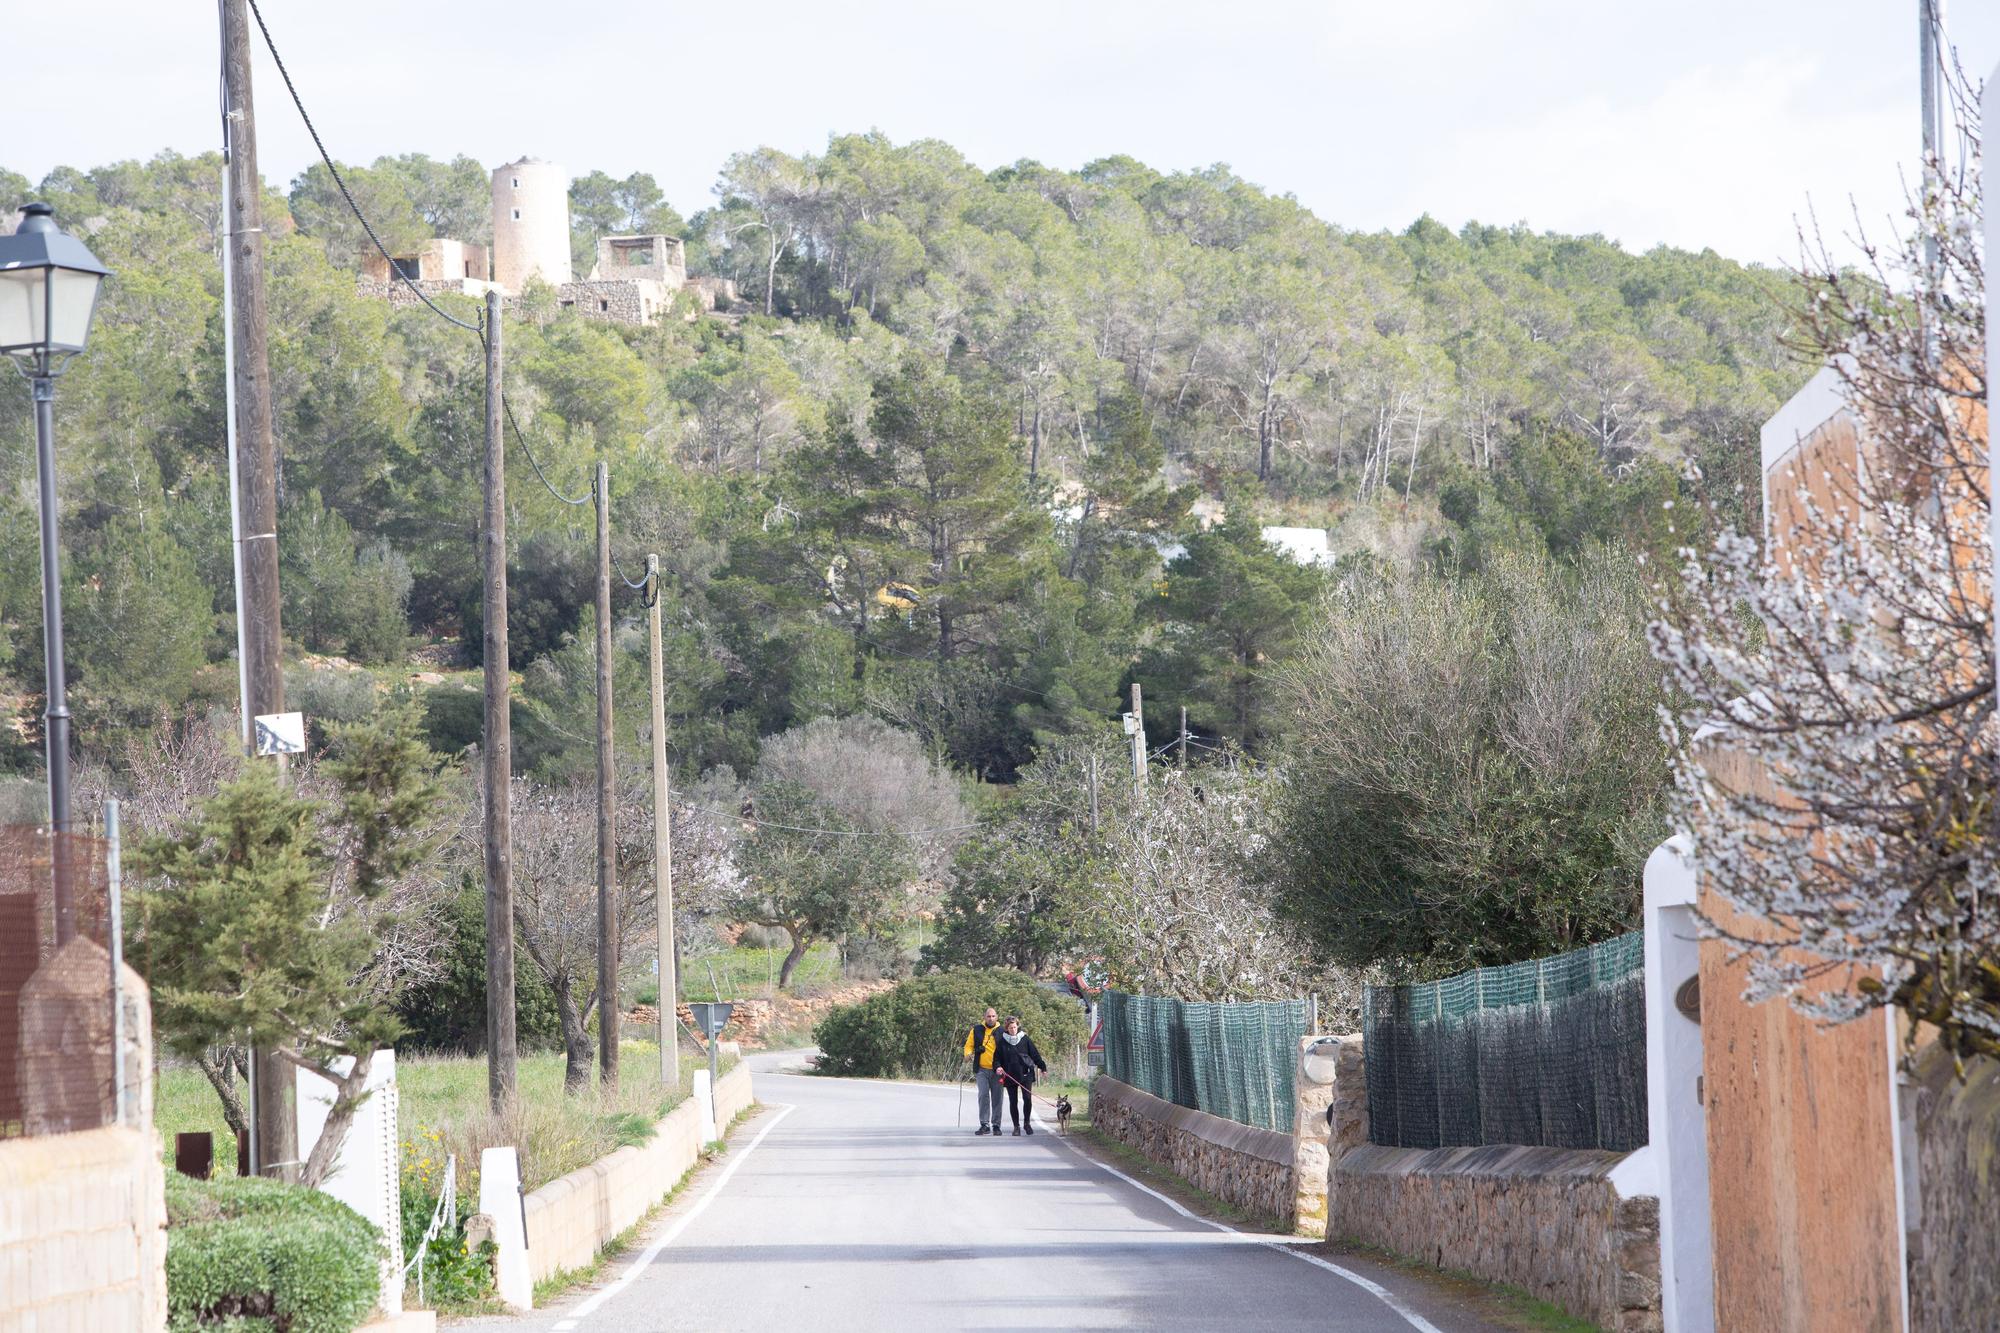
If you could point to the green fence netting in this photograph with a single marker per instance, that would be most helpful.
(1549, 1053)
(1231, 1060)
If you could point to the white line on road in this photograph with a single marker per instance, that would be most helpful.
(1379, 1292)
(667, 1237)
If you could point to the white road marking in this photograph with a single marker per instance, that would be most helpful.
(667, 1237)
(1379, 1292)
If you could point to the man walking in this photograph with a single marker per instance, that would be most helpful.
(981, 1044)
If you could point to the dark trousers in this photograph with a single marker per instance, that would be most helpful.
(1026, 1102)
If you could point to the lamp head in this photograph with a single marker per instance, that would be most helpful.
(48, 293)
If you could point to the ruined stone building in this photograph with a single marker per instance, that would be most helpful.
(634, 279)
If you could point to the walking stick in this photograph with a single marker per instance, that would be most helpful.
(958, 1077)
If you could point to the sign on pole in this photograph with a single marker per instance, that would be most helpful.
(281, 733)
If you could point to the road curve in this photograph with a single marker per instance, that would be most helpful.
(855, 1204)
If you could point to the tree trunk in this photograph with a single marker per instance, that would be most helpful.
(577, 1048)
(220, 1064)
(800, 943)
(347, 1097)
(1035, 442)
(1264, 437)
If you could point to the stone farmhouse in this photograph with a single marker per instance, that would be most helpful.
(634, 280)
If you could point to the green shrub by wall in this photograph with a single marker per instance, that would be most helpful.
(260, 1254)
(918, 1029)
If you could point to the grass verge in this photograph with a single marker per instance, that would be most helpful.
(443, 1111)
(1496, 1302)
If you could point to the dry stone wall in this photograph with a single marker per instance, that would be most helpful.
(1241, 1164)
(1954, 1243)
(1546, 1220)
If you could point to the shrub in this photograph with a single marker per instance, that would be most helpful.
(918, 1029)
(256, 1254)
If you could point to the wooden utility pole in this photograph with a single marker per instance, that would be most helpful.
(1184, 738)
(497, 745)
(260, 633)
(663, 843)
(1138, 743)
(607, 842)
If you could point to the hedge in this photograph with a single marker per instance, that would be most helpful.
(248, 1254)
(917, 1030)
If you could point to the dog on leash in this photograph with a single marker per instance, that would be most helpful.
(1062, 1114)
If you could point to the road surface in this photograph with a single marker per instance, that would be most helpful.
(852, 1204)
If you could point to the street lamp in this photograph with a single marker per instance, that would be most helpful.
(48, 293)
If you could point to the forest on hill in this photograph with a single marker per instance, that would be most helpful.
(974, 450)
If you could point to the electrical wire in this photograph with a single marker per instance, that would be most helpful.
(521, 438)
(338, 180)
(706, 812)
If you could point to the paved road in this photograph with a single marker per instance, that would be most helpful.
(859, 1205)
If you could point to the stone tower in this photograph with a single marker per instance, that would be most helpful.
(530, 223)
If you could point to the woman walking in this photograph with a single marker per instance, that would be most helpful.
(1018, 1061)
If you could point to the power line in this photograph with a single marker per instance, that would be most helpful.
(327, 158)
(521, 438)
(707, 812)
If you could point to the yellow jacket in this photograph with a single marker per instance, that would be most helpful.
(989, 1042)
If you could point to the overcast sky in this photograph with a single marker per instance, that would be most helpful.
(1691, 122)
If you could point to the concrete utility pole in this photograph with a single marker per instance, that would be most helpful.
(663, 843)
(1930, 81)
(257, 471)
(1138, 743)
(1093, 792)
(607, 815)
(1184, 737)
(497, 745)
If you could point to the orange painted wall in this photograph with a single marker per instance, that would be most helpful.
(1801, 1137)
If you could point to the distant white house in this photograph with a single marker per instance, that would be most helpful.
(1306, 546)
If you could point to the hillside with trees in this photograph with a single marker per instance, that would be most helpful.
(974, 450)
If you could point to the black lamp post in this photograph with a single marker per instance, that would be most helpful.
(48, 293)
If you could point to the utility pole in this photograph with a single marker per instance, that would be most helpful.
(1930, 78)
(1184, 738)
(497, 745)
(607, 843)
(1138, 741)
(256, 468)
(663, 844)
(1093, 793)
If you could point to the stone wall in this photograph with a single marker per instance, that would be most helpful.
(83, 1216)
(83, 1238)
(1954, 1240)
(1547, 1220)
(1241, 1164)
(571, 1219)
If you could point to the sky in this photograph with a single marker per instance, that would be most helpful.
(1696, 123)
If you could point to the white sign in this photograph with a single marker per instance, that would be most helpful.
(281, 733)
(1131, 725)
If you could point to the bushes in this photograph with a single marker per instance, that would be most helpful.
(918, 1029)
(256, 1254)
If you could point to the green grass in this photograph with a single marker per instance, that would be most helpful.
(443, 1110)
(752, 973)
